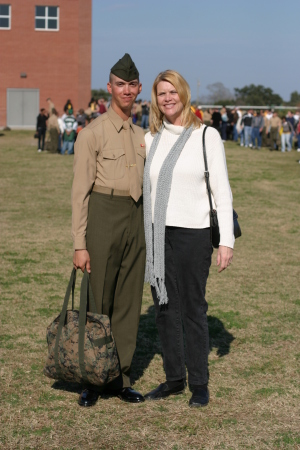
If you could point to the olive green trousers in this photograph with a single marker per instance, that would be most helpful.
(116, 245)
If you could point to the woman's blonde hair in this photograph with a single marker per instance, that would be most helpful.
(188, 118)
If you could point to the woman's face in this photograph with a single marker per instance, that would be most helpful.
(169, 102)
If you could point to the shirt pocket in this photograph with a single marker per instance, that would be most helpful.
(140, 159)
(113, 163)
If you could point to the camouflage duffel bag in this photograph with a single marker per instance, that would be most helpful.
(81, 347)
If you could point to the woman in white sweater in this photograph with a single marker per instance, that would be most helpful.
(177, 228)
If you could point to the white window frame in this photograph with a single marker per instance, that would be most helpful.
(46, 17)
(6, 17)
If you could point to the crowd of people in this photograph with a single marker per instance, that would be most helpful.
(57, 134)
(256, 129)
(250, 128)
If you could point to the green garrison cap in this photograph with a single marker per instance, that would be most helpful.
(125, 69)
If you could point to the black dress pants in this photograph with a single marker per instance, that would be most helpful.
(187, 262)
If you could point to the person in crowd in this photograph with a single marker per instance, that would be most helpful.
(297, 117)
(269, 114)
(41, 127)
(257, 128)
(290, 118)
(177, 229)
(216, 119)
(298, 135)
(81, 120)
(133, 113)
(287, 129)
(224, 123)
(107, 220)
(68, 106)
(60, 121)
(199, 112)
(101, 108)
(239, 127)
(70, 127)
(145, 115)
(235, 118)
(206, 117)
(266, 129)
(230, 124)
(54, 131)
(51, 106)
(139, 112)
(92, 108)
(275, 124)
(247, 127)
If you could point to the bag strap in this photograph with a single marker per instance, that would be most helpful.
(206, 172)
(62, 319)
(85, 295)
(85, 290)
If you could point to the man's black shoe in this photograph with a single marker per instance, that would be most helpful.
(163, 391)
(88, 397)
(199, 398)
(126, 394)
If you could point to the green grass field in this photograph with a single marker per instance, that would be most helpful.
(253, 318)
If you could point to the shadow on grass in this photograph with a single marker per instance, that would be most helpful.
(148, 344)
(219, 337)
(67, 386)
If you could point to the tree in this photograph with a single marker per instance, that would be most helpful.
(257, 96)
(219, 94)
(295, 99)
(100, 93)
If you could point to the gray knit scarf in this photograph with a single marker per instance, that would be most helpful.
(155, 254)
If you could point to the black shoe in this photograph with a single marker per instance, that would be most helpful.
(163, 391)
(199, 398)
(126, 394)
(88, 397)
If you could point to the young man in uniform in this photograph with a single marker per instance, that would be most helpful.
(107, 219)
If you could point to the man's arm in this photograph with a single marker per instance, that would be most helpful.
(85, 161)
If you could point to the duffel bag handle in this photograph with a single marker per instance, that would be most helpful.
(71, 286)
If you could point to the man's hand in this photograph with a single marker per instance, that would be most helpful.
(224, 257)
(81, 260)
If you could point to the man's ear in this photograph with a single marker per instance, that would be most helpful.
(109, 87)
(140, 88)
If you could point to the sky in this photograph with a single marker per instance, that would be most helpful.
(233, 42)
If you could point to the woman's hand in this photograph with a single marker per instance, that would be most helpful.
(81, 260)
(224, 257)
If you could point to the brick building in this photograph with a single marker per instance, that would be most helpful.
(45, 51)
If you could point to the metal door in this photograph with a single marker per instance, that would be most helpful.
(22, 107)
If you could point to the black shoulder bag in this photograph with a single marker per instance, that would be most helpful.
(214, 224)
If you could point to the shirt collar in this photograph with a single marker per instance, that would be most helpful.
(117, 121)
(174, 129)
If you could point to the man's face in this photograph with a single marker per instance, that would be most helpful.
(123, 92)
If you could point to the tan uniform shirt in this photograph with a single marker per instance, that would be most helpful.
(275, 122)
(100, 158)
(266, 122)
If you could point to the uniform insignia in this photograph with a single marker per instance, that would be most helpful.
(142, 145)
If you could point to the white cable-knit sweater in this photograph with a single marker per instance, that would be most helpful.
(188, 205)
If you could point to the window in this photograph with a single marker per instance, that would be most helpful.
(5, 17)
(46, 18)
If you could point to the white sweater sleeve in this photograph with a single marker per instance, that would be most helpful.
(220, 186)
